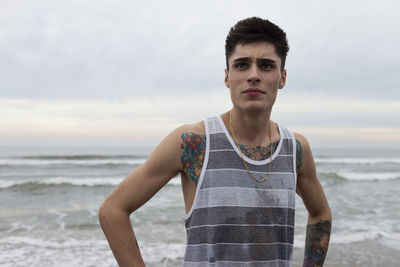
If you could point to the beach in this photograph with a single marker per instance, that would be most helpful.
(50, 196)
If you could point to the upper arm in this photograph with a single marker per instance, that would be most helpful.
(142, 183)
(308, 186)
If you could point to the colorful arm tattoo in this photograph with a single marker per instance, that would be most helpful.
(317, 242)
(192, 156)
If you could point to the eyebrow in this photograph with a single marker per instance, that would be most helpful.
(248, 59)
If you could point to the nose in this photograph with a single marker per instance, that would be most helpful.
(254, 75)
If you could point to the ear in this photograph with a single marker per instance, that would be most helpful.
(226, 78)
(283, 79)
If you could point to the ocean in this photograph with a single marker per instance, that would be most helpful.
(50, 196)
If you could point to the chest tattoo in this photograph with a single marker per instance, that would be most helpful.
(258, 152)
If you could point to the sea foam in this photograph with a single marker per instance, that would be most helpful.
(370, 161)
(103, 181)
(106, 181)
(47, 162)
(369, 176)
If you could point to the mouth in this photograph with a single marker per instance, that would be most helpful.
(253, 91)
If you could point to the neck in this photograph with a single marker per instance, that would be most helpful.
(251, 129)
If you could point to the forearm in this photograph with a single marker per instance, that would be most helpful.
(120, 236)
(317, 242)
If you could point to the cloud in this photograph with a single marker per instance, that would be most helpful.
(117, 71)
(114, 50)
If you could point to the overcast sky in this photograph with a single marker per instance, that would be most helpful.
(129, 72)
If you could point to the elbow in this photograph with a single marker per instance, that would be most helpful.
(323, 214)
(103, 213)
(110, 211)
(327, 214)
(106, 211)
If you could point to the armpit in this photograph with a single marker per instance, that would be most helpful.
(192, 157)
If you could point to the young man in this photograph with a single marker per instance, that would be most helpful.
(239, 171)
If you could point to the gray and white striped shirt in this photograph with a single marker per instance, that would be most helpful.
(234, 220)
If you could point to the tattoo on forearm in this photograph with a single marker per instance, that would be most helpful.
(317, 242)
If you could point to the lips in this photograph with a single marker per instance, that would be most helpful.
(253, 91)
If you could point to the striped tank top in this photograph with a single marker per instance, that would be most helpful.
(234, 220)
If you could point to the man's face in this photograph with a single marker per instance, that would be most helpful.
(254, 76)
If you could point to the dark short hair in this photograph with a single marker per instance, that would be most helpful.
(252, 30)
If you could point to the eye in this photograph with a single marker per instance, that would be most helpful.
(266, 66)
(241, 65)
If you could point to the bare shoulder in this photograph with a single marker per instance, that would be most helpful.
(169, 150)
(303, 141)
(307, 160)
(305, 146)
(174, 138)
(196, 128)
